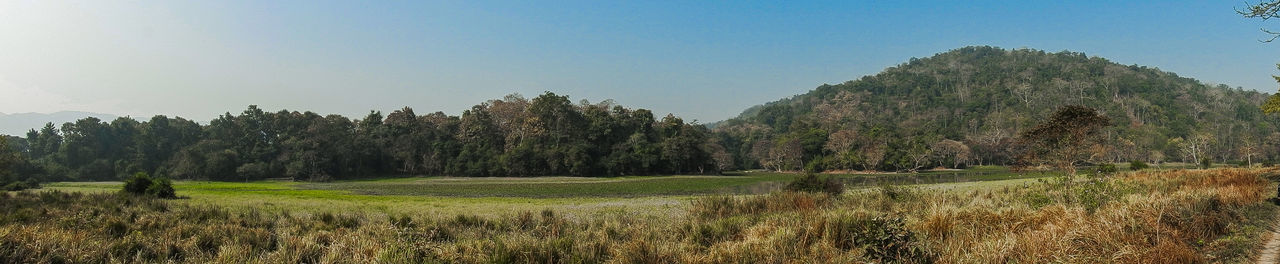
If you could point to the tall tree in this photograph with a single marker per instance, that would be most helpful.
(8, 161)
(1064, 140)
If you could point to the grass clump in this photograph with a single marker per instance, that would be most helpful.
(811, 183)
(883, 239)
(1138, 165)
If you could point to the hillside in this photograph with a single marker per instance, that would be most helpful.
(964, 106)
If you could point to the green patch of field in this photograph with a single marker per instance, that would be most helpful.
(288, 196)
(639, 195)
(549, 187)
(640, 186)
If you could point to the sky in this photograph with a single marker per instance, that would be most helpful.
(702, 60)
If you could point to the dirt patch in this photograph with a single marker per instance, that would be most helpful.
(1271, 251)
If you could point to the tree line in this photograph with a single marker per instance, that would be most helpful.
(513, 136)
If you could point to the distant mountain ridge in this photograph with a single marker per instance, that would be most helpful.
(19, 123)
(982, 97)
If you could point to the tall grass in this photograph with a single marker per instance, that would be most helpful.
(1134, 217)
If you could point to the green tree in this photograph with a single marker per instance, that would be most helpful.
(1065, 139)
(1272, 105)
(481, 145)
(8, 162)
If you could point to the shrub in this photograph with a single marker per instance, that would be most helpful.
(1105, 169)
(138, 184)
(811, 183)
(1138, 165)
(143, 184)
(814, 166)
(20, 185)
(894, 192)
(1205, 163)
(161, 188)
(886, 239)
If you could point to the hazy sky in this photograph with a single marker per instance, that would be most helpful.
(699, 59)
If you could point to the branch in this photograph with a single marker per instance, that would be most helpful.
(1265, 11)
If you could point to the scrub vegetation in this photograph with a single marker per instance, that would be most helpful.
(1148, 216)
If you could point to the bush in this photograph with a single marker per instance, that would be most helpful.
(1138, 165)
(1105, 169)
(811, 183)
(13, 187)
(30, 183)
(814, 166)
(886, 239)
(143, 184)
(138, 184)
(1205, 163)
(161, 188)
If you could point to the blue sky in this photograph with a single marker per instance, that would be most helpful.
(702, 60)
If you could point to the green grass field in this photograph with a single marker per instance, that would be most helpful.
(640, 195)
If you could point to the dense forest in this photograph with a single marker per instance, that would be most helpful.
(955, 109)
(966, 106)
(514, 136)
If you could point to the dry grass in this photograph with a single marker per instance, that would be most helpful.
(1142, 217)
(1164, 217)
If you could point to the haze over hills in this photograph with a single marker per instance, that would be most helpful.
(19, 123)
(981, 97)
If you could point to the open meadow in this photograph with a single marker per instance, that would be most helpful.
(1158, 216)
(443, 196)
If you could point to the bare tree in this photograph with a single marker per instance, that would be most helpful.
(1249, 147)
(841, 141)
(953, 151)
(722, 158)
(919, 155)
(1195, 146)
(762, 150)
(841, 144)
(873, 154)
(787, 154)
(1264, 10)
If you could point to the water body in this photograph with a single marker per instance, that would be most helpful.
(856, 181)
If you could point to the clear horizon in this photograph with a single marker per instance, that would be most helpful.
(703, 61)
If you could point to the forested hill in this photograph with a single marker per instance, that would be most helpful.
(513, 136)
(965, 106)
